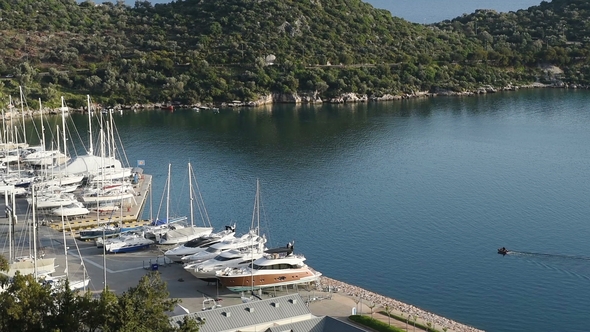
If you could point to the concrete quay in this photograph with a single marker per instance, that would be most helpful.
(328, 297)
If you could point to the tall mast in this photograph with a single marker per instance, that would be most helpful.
(89, 125)
(42, 126)
(34, 206)
(63, 124)
(190, 188)
(168, 196)
(22, 111)
(112, 138)
(63, 230)
(10, 229)
(11, 106)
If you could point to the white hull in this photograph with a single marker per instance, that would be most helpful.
(233, 259)
(27, 266)
(107, 198)
(204, 242)
(52, 202)
(178, 236)
(247, 241)
(75, 209)
(46, 158)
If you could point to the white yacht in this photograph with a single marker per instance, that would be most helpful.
(127, 243)
(207, 270)
(200, 244)
(278, 267)
(248, 240)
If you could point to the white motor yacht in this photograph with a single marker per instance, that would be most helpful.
(200, 244)
(207, 270)
(278, 267)
(248, 240)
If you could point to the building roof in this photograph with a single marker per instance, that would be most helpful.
(317, 324)
(278, 310)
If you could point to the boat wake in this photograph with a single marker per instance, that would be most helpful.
(565, 264)
(540, 254)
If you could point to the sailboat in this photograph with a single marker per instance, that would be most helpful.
(160, 227)
(57, 281)
(89, 164)
(230, 255)
(183, 235)
(31, 264)
(43, 157)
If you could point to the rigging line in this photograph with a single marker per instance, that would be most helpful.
(69, 133)
(120, 142)
(200, 201)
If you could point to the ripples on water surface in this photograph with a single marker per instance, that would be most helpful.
(408, 199)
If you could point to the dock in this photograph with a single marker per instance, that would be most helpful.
(128, 215)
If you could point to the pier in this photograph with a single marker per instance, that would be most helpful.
(128, 215)
(328, 297)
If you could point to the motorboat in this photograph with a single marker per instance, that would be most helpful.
(105, 231)
(207, 270)
(503, 251)
(200, 244)
(128, 243)
(248, 240)
(278, 267)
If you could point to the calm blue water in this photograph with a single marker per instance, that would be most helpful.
(408, 199)
(431, 11)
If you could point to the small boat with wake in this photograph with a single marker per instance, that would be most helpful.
(502, 251)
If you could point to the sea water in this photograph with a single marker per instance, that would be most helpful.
(409, 199)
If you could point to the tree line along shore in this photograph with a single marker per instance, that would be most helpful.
(197, 52)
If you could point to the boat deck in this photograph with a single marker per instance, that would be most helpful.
(128, 215)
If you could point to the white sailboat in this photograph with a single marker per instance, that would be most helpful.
(72, 210)
(184, 235)
(57, 281)
(44, 157)
(160, 227)
(89, 164)
(30, 264)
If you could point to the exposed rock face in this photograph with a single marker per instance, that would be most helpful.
(291, 98)
(385, 97)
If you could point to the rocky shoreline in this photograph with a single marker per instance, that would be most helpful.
(397, 307)
(300, 99)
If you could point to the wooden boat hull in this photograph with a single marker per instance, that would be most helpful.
(245, 282)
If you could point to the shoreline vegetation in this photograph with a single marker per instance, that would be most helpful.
(231, 53)
(298, 99)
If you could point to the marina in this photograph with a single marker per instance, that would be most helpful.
(327, 297)
(408, 200)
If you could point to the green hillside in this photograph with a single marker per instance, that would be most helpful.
(211, 51)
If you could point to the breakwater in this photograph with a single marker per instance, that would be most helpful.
(397, 307)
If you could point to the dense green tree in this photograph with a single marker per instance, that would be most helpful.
(129, 54)
(28, 305)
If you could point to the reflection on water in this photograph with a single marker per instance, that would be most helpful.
(409, 199)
